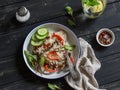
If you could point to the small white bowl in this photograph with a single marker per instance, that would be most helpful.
(110, 32)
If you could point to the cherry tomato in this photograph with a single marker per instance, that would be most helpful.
(50, 70)
(53, 55)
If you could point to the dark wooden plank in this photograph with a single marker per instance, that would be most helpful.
(40, 10)
(12, 45)
(106, 20)
(15, 65)
(16, 76)
(112, 86)
(15, 39)
(111, 1)
(109, 71)
(8, 2)
(8, 21)
(23, 78)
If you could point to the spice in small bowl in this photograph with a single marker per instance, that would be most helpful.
(105, 37)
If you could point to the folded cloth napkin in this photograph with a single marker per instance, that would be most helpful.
(85, 67)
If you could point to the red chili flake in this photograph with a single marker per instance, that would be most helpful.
(105, 38)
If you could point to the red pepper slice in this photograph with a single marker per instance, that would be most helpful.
(46, 45)
(50, 70)
(58, 37)
(36, 48)
(72, 59)
(53, 55)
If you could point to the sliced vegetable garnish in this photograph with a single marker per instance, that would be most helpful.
(49, 69)
(69, 47)
(42, 31)
(34, 38)
(42, 61)
(41, 37)
(30, 57)
(59, 38)
(53, 55)
(37, 43)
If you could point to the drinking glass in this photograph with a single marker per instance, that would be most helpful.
(93, 10)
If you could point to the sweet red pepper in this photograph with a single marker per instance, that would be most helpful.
(72, 59)
(36, 48)
(50, 70)
(53, 55)
(46, 45)
(59, 38)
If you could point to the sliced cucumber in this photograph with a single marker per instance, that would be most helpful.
(41, 37)
(36, 43)
(68, 47)
(34, 37)
(42, 31)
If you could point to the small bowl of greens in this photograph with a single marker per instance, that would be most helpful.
(45, 47)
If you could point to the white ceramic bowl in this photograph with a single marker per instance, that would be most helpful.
(71, 37)
(110, 32)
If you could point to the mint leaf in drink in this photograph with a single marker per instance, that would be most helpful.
(69, 10)
(91, 2)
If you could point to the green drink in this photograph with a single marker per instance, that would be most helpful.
(93, 8)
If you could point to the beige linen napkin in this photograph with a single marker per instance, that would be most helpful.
(85, 67)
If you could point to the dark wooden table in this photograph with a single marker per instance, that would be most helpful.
(14, 75)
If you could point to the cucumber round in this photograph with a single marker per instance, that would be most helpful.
(41, 37)
(34, 37)
(36, 43)
(42, 31)
(68, 47)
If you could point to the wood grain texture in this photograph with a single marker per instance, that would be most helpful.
(14, 75)
(112, 86)
(39, 12)
(8, 2)
(8, 20)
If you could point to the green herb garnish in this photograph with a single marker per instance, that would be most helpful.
(91, 2)
(42, 61)
(69, 10)
(71, 22)
(30, 58)
(53, 86)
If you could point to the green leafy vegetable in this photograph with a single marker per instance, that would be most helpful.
(69, 10)
(28, 54)
(30, 57)
(91, 2)
(53, 86)
(69, 47)
(42, 61)
(71, 22)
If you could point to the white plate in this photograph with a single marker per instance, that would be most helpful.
(71, 38)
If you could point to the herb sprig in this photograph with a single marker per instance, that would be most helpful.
(91, 2)
(71, 20)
